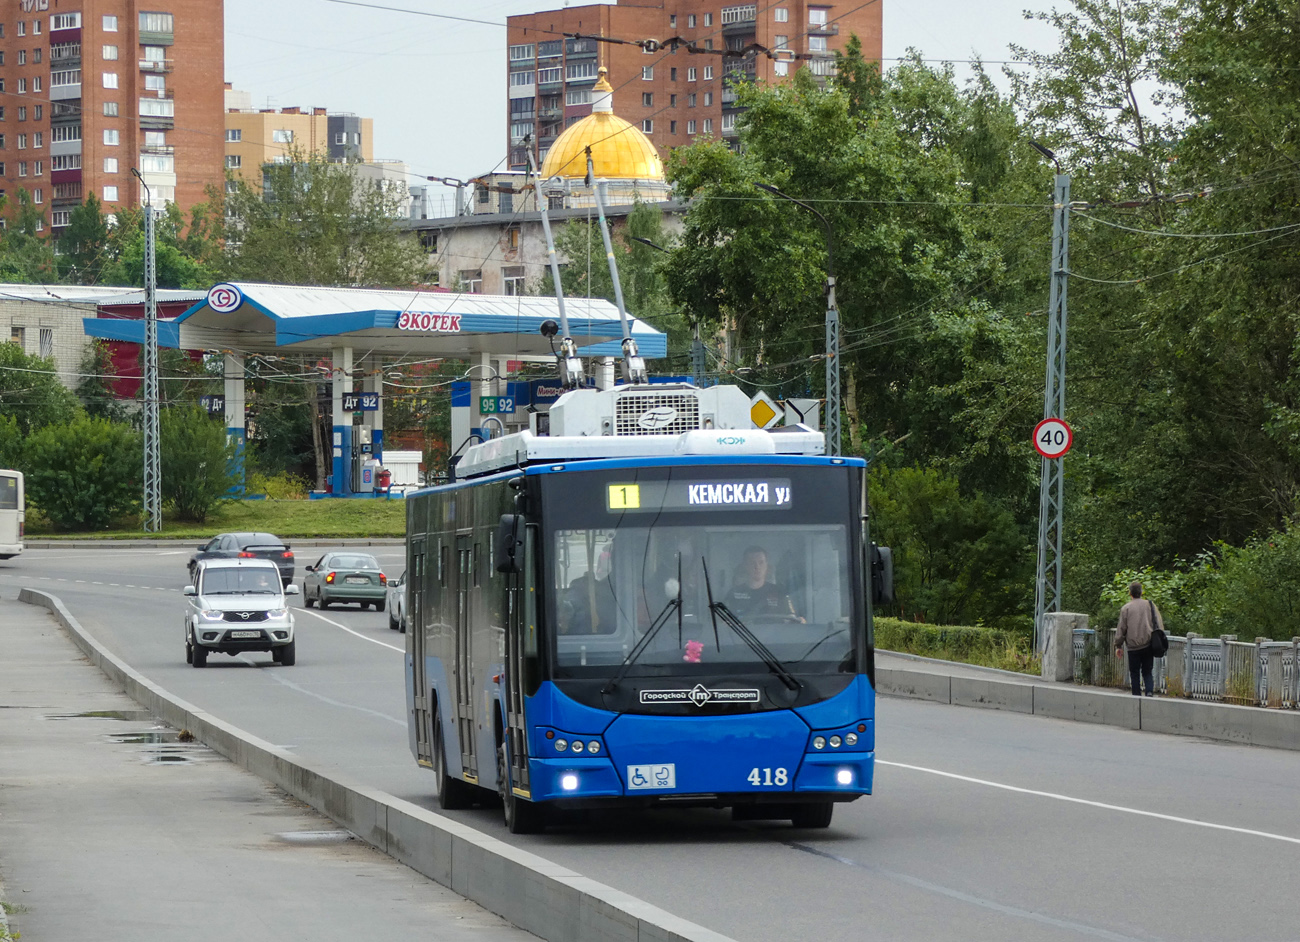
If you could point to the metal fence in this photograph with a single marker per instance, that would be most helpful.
(1262, 673)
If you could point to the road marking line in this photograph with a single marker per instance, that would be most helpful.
(275, 675)
(308, 611)
(1097, 804)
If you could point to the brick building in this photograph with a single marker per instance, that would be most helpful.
(94, 88)
(674, 95)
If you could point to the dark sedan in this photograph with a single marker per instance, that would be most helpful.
(247, 546)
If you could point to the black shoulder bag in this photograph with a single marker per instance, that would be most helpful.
(1159, 640)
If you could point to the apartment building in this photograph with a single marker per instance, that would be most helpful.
(92, 89)
(673, 94)
(270, 135)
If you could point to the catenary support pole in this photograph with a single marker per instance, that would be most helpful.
(1051, 495)
(152, 460)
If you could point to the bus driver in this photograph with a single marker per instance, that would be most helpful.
(754, 595)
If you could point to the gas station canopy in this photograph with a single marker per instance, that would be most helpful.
(260, 318)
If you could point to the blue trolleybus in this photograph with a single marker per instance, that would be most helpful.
(651, 603)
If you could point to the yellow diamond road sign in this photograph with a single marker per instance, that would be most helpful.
(763, 411)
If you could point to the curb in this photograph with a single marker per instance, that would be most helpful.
(541, 897)
(1252, 726)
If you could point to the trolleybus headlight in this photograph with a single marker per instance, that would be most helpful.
(844, 776)
(561, 745)
(835, 742)
(569, 782)
(819, 742)
(578, 745)
(851, 739)
(593, 746)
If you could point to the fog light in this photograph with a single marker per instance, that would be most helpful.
(844, 776)
(851, 739)
(281, 635)
(819, 742)
(561, 745)
(209, 636)
(593, 746)
(835, 742)
(578, 745)
(569, 782)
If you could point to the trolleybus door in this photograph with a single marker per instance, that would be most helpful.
(520, 586)
(416, 568)
(464, 670)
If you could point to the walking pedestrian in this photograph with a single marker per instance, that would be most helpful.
(1137, 619)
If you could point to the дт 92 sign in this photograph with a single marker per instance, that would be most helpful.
(737, 494)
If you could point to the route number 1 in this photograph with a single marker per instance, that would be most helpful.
(1053, 438)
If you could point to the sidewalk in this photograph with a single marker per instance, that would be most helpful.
(110, 828)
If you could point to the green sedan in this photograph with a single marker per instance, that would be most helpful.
(345, 577)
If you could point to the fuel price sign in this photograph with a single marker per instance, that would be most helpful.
(1053, 438)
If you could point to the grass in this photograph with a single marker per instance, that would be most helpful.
(287, 519)
(984, 647)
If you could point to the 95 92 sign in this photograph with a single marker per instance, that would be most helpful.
(1053, 438)
(494, 405)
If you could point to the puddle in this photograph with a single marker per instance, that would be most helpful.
(130, 716)
(149, 736)
(171, 755)
(315, 838)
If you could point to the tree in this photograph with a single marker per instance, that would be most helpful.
(30, 391)
(181, 261)
(197, 463)
(84, 243)
(25, 257)
(95, 389)
(316, 222)
(85, 474)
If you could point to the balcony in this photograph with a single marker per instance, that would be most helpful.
(550, 114)
(580, 48)
(156, 65)
(823, 29)
(158, 150)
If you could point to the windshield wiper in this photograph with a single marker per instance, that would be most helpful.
(719, 609)
(660, 620)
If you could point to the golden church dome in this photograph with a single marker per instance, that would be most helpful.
(619, 151)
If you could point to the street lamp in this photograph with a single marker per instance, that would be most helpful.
(832, 327)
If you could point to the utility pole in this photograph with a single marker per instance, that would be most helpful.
(1051, 495)
(152, 462)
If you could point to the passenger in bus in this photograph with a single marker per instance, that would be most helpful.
(754, 595)
(590, 605)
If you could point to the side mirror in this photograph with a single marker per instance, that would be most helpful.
(203, 547)
(292, 589)
(308, 568)
(882, 575)
(191, 591)
(508, 555)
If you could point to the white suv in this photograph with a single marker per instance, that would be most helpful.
(238, 605)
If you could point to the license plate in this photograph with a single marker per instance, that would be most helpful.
(355, 580)
(245, 634)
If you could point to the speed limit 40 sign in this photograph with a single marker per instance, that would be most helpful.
(1053, 438)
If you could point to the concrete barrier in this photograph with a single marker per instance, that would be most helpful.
(533, 893)
(993, 694)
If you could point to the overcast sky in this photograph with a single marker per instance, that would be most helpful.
(436, 87)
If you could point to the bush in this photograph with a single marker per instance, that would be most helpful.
(281, 486)
(198, 464)
(990, 647)
(84, 474)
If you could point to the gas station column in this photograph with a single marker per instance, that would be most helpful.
(341, 376)
(236, 429)
(374, 384)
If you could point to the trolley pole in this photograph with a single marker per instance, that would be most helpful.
(1051, 495)
(152, 462)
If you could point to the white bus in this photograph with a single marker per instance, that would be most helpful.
(11, 514)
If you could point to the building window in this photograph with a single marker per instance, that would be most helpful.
(22, 86)
(340, 137)
(36, 56)
(672, 74)
(110, 80)
(728, 122)
(578, 96)
(156, 23)
(690, 100)
(518, 53)
(65, 21)
(708, 72)
(234, 162)
(690, 127)
(110, 194)
(518, 79)
(38, 139)
(155, 83)
(22, 168)
(690, 74)
(708, 99)
(512, 280)
(781, 42)
(672, 21)
(66, 132)
(648, 99)
(22, 113)
(282, 136)
(60, 217)
(22, 141)
(672, 101)
(708, 125)
(110, 52)
(817, 44)
(817, 16)
(18, 335)
(234, 135)
(690, 21)
(781, 15)
(22, 56)
(708, 19)
(473, 281)
(672, 127)
(36, 27)
(37, 112)
(111, 137)
(155, 53)
(781, 68)
(2, 142)
(549, 76)
(22, 28)
(648, 126)
(647, 73)
(110, 109)
(110, 24)
(36, 83)
(157, 107)
(580, 70)
(110, 165)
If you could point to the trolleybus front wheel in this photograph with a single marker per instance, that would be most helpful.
(521, 816)
(815, 814)
(453, 794)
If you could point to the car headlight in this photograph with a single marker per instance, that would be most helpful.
(212, 615)
(277, 612)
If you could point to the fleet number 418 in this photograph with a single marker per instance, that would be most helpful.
(768, 777)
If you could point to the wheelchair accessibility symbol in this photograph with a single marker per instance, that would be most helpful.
(659, 775)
